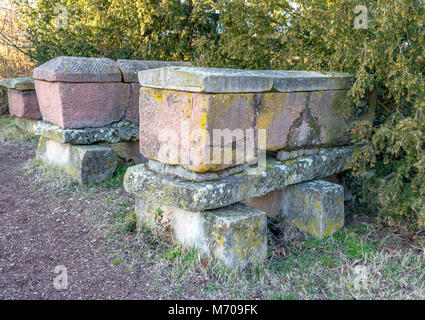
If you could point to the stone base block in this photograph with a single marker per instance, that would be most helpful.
(315, 207)
(193, 196)
(235, 235)
(84, 164)
(129, 151)
(122, 131)
(24, 104)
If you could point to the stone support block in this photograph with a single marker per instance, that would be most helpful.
(235, 235)
(83, 164)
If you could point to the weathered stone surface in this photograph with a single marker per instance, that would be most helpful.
(303, 119)
(140, 181)
(132, 113)
(122, 131)
(84, 164)
(4, 104)
(206, 80)
(23, 104)
(81, 105)
(281, 204)
(129, 151)
(79, 69)
(177, 128)
(287, 155)
(295, 120)
(131, 68)
(292, 81)
(20, 84)
(316, 207)
(179, 172)
(235, 235)
(238, 81)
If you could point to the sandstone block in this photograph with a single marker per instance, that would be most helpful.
(23, 104)
(84, 164)
(316, 207)
(132, 113)
(303, 119)
(80, 105)
(235, 235)
(179, 128)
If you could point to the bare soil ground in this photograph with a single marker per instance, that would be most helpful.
(46, 221)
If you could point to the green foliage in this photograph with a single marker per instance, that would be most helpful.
(387, 55)
(142, 29)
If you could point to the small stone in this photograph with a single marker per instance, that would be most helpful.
(83, 164)
(235, 235)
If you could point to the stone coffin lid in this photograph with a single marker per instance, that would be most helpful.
(78, 69)
(211, 80)
(131, 68)
(20, 84)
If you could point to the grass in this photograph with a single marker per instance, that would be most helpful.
(351, 264)
(9, 131)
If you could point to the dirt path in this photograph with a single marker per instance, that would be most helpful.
(37, 234)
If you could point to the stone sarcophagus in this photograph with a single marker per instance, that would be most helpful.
(78, 92)
(195, 117)
(228, 148)
(21, 98)
(81, 92)
(90, 111)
